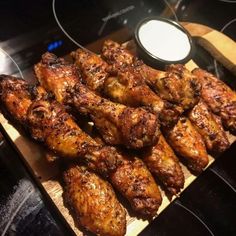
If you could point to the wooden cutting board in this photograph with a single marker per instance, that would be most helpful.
(219, 45)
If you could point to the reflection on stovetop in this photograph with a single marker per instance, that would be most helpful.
(206, 207)
(24, 211)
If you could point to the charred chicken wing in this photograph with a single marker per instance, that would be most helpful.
(188, 143)
(49, 122)
(93, 69)
(163, 163)
(60, 80)
(118, 124)
(139, 186)
(17, 106)
(219, 97)
(211, 130)
(93, 202)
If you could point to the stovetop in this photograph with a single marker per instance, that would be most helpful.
(29, 28)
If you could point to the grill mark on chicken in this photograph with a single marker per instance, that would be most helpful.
(88, 196)
(206, 124)
(220, 98)
(188, 143)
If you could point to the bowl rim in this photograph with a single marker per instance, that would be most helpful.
(156, 58)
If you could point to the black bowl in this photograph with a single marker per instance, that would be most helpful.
(154, 60)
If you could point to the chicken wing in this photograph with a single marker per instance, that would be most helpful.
(176, 85)
(63, 83)
(126, 87)
(188, 143)
(49, 123)
(219, 97)
(118, 124)
(212, 132)
(163, 163)
(140, 186)
(17, 106)
(93, 69)
(93, 202)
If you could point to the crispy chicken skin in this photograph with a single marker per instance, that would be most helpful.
(118, 56)
(219, 97)
(126, 87)
(93, 202)
(176, 85)
(162, 162)
(211, 130)
(60, 79)
(188, 143)
(17, 106)
(146, 197)
(118, 124)
(49, 123)
(93, 69)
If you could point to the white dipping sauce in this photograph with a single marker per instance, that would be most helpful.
(164, 40)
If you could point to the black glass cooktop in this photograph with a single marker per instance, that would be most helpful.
(29, 28)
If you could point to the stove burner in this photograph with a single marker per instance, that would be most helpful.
(196, 216)
(112, 16)
(63, 30)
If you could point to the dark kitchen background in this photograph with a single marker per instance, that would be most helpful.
(29, 28)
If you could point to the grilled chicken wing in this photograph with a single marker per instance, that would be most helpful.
(93, 69)
(176, 85)
(93, 202)
(48, 122)
(163, 163)
(188, 143)
(126, 87)
(17, 106)
(118, 124)
(211, 130)
(140, 186)
(219, 97)
(60, 79)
